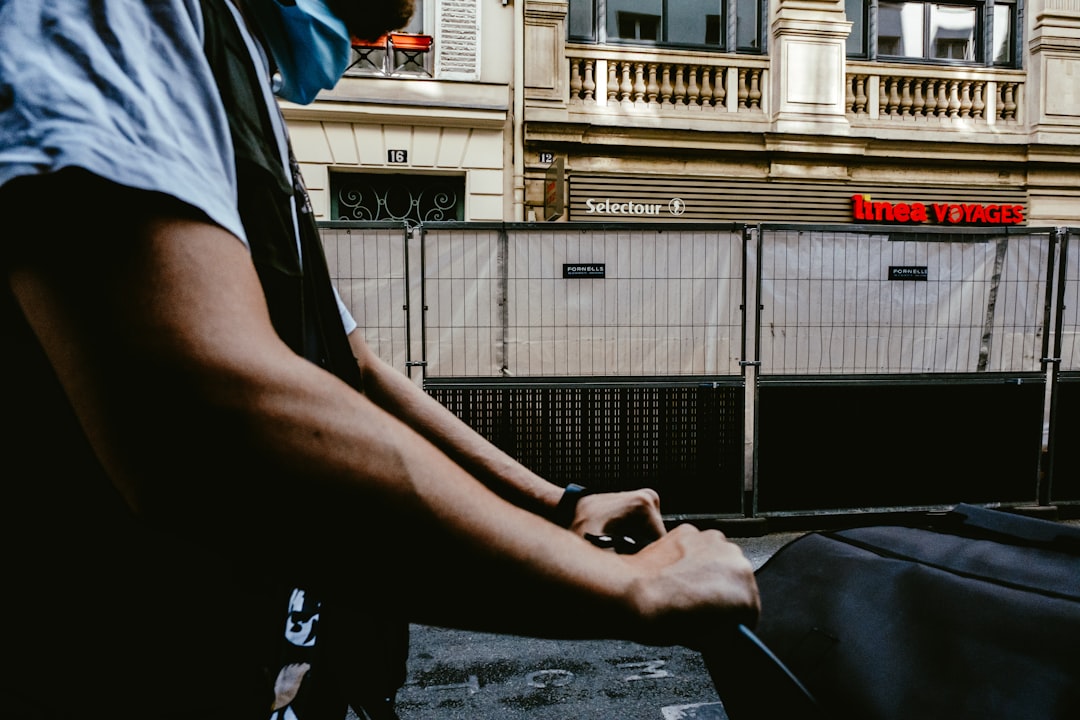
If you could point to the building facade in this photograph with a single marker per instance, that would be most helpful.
(743, 111)
(420, 126)
(789, 110)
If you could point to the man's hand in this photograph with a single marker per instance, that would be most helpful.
(694, 582)
(635, 514)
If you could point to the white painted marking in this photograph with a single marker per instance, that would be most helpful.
(549, 678)
(650, 670)
(472, 685)
(697, 711)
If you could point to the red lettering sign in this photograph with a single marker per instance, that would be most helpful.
(865, 209)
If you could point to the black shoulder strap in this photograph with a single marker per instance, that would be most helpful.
(298, 291)
(1013, 528)
(328, 332)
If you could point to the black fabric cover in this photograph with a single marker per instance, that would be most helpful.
(975, 616)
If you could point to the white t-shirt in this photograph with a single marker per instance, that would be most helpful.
(144, 113)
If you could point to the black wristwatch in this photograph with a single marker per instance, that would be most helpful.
(564, 511)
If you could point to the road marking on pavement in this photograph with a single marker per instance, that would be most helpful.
(472, 685)
(697, 711)
(650, 670)
(549, 678)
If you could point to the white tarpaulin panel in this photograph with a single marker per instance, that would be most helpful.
(837, 303)
(598, 303)
(659, 303)
(1070, 326)
(463, 281)
(368, 269)
(611, 301)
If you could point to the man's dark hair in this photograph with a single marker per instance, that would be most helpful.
(368, 19)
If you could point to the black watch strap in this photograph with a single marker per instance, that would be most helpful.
(564, 511)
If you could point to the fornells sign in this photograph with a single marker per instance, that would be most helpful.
(590, 270)
(865, 209)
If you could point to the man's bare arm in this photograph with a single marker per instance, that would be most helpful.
(206, 421)
(637, 511)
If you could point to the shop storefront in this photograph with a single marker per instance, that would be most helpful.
(647, 198)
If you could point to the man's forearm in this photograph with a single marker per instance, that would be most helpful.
(401, 398)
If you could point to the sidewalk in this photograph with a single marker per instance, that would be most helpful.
(456, 675)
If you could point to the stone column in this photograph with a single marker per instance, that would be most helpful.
(546, 69)
(1053, 97)
(1052, 101)
(808, 59)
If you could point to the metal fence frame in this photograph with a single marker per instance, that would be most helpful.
(414, 329)
(981, 298)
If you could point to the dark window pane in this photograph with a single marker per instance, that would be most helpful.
(582, 20)
(747, 25)
(714, 31)
(688, 22)
(634, 19)
(856, 15)
(636, 26)
(1003, 34)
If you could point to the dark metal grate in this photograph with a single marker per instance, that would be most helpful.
(685, 442)
(859, 446)
(1066, 470)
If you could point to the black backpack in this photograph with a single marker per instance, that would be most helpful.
(976, 615)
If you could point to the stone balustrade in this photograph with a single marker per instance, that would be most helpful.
(880, 93)
(876, 94)
(665, 81)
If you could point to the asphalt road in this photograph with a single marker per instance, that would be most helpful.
(455, 675)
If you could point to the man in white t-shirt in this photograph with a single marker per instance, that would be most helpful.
(183, 437)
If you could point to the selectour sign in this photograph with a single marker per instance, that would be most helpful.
(672, 208)
(865, 209)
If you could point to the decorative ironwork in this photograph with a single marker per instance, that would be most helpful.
(419, 198)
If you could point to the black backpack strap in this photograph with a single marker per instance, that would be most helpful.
(298, 291)
(326, 342)
(1008, 527)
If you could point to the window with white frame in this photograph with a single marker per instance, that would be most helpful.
(726, 25)
(975, 33)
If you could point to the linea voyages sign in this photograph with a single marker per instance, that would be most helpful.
(866, 209)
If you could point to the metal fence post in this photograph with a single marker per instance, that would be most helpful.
(1052, 361)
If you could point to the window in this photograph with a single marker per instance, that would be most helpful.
(419, 198)
(856, 11)
(915, 30)
(406, 52)
(676, 23)
(1004, 22)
